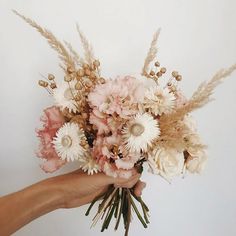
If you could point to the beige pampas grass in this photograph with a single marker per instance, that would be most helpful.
(199, 98)
(151, 53)
(52, 40)
(88, 50)
(76, 57)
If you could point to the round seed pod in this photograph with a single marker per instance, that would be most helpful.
(152, 73)
(178, 78)
(175, 74)
(70, 70)
(163, 70)
(43, 83)
(67, 78)
(51, 77)
(80, 73)
(157, 64)
(53, 85)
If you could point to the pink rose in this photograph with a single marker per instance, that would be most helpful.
(52, 120)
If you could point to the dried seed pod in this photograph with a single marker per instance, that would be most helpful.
(178, 78)
(96, 63)
(80, 73)
(77, 97)
(88, 84)
(43, 83)
(159, 74)
(102, 80)
(86, 66)
(173, 88)
(70, 69)
(67, 78)
(87, 72)
(152, 73)
(78, 86)
(51, 77)
(163, 70)
(157, 64)
(53, 85)
(175, 74)
(92, 76)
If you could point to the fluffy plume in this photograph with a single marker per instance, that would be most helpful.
(151, 53)
(52, 40)
(88, 50)
(75, 55)
(199, 98)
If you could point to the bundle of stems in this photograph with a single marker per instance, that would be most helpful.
(117, 203)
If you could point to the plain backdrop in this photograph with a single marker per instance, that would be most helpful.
(198, 37)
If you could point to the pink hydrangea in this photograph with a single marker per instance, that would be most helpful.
(112, 164)
(52, 120)
(117, 96)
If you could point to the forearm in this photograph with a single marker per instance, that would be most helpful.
(18, 209)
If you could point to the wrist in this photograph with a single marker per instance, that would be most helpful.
(52, 194)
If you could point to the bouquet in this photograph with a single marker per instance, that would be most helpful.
(118, 125)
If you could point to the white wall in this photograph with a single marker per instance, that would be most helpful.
(198, 38)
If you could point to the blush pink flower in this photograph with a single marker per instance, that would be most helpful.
(111, 164)
(100, 121)
(118, 96)
(52, 120)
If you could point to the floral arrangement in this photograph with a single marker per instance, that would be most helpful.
(117, 125)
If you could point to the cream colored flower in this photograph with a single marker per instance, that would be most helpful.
(67, 142)
(159, 100)
(169, 162)
(64, 96)
(140, 132)
(89, 165)
(196, 164)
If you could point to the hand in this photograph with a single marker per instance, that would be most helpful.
(78, 188)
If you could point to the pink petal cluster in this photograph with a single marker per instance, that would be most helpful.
(111, 103)
(117, 96)
(115, 165)
(52, 120)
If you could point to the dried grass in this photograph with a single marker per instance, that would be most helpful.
(88, 50)
(64, 55)
(199, 98)
(151, 53)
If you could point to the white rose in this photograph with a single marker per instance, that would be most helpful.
(196, 164)
(169, 162)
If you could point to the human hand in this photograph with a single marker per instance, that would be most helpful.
(78, 188)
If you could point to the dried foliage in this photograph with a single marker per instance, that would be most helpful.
(151, 53)
(64, 55)
(199, 98)
(88, 50)
(78, 60)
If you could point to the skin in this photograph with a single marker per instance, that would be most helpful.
(65, 191)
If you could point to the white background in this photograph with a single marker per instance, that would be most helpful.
(198, 37)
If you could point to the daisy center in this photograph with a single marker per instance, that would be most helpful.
(66, 141)
(136, 129)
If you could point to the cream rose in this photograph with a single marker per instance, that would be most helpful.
(196, 164)
(169, 162)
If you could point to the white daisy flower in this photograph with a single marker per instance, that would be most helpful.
(63, 96)
(89, 165)
(67, 142)
(140, 132)
(159, 100)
